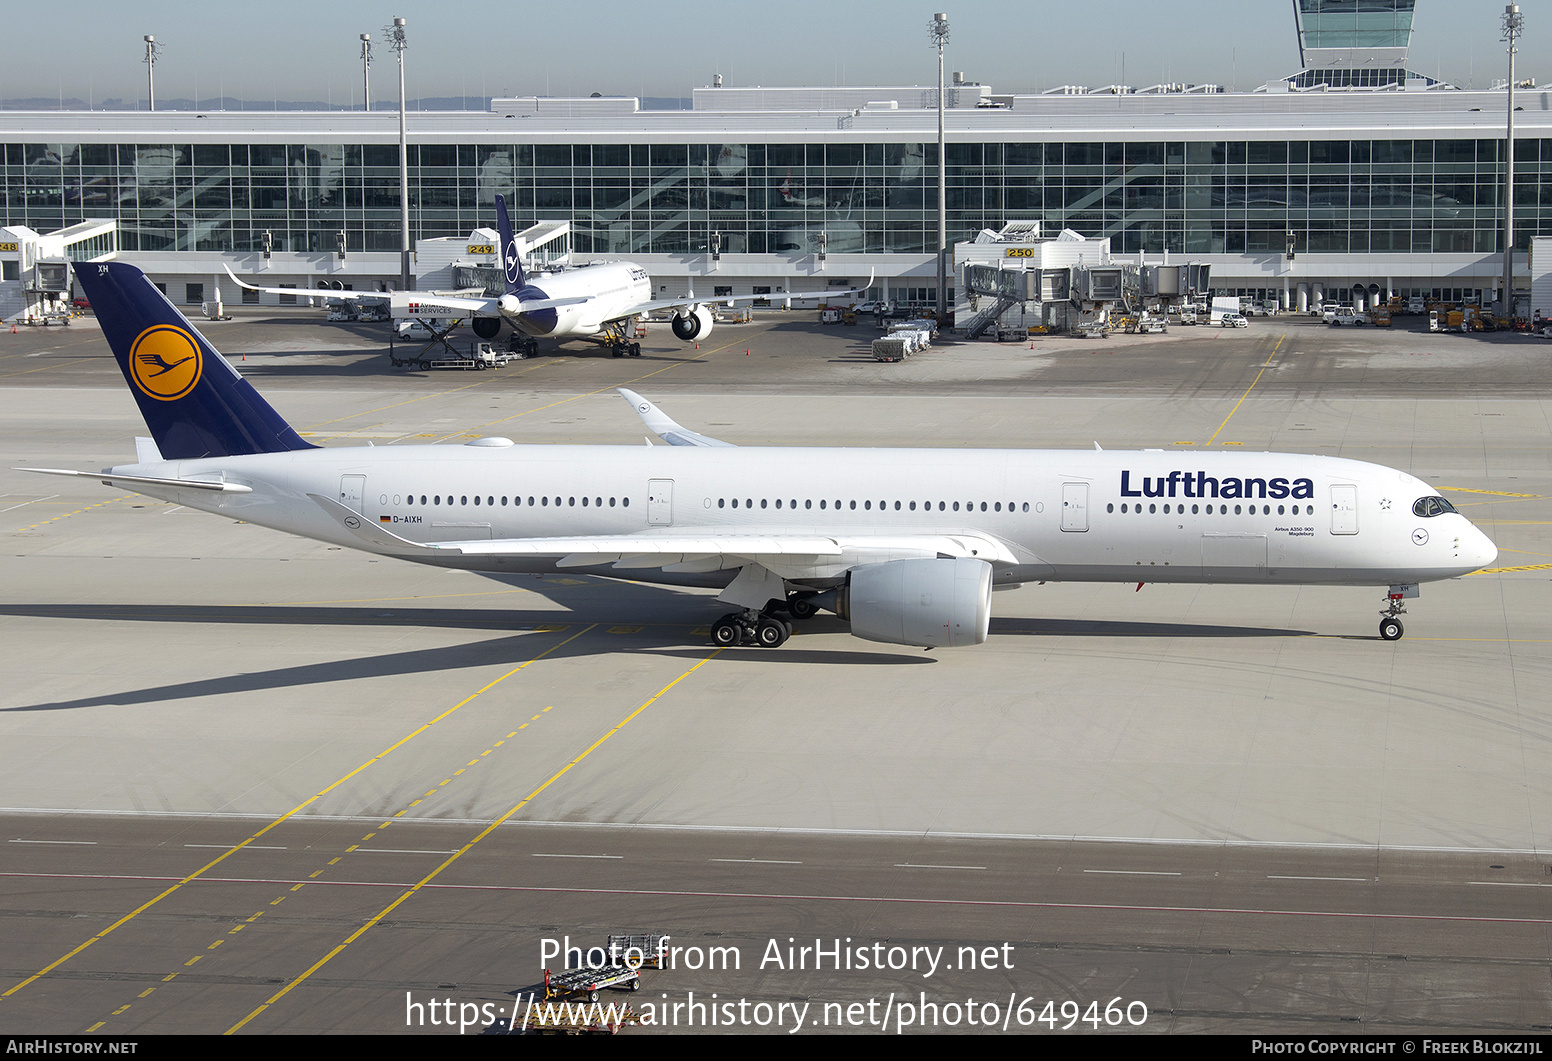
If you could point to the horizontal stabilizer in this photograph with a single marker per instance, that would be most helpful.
(108, 477)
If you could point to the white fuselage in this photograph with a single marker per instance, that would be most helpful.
(610, 290)
(1063, 514)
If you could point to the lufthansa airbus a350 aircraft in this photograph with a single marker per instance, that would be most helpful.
(905, 544)
(595, 302)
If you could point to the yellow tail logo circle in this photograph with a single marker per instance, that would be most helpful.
(165, 362)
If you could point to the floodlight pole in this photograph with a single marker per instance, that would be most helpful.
(938, 28)
(150, 60)
(1513, 23)
(366, 71)
(396, 35)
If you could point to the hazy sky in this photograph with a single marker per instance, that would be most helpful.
(301, 51)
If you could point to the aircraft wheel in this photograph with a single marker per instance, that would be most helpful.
(635, 349)
(771, 633)
(615, 351)
(725, 632)
(1391, 629)
(802, 607)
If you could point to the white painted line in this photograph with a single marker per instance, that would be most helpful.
(1277, 876)
(250, 847)
(89, 843)
(1136, 872)
(913, 865)
(537, 855)
(398, 851)
(34, 501)
(760, 861)
(1507, 884)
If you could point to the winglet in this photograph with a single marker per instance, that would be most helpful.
(665, 428)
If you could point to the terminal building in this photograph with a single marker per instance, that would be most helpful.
(1381, 181)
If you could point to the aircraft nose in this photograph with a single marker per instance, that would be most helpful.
(1480, 549)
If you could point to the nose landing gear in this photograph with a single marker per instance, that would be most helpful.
(1390, 626)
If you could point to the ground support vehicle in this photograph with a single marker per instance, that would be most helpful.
(569, 983)
(649, 946)
(567, 1020)
(481, 356)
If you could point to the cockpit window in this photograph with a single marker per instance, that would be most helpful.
(1431, 506)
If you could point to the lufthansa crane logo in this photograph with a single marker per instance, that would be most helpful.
(511, 260)
(165, 362)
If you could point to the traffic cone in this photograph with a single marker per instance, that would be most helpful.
(697, 346)
(746, 353)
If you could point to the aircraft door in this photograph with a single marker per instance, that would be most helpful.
(660, 502)
(352, 488)
(1075, 506)
(1344, 508)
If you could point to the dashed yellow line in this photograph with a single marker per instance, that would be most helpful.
(321, 962)
(1522, 567)
(286, 816)
(77, 512)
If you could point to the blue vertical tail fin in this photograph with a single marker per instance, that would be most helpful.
(511, 260)
(195, 404)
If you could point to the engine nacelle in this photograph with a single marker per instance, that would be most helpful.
(929, 603)
(486, 327)
(508, 304)
(693, 325)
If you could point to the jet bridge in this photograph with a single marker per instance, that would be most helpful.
(36, 269)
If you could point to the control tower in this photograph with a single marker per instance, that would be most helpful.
(1355, 44)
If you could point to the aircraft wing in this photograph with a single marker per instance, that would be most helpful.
(449, 302)
(786, 555)
(689, 301)
(665, 428)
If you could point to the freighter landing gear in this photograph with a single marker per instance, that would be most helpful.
(1390, 626)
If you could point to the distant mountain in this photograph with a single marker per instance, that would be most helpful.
(227, 103)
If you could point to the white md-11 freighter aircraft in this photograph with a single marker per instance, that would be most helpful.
(596, 302)
(906, 544)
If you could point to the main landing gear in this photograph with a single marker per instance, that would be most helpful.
(769, 628)
(614, 339)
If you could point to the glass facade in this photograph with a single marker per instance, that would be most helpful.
(1192, 197)
(1355, 23)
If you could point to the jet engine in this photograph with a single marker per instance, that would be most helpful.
(931, 603)
(486, 327)
(693, 325)
(508, 305)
